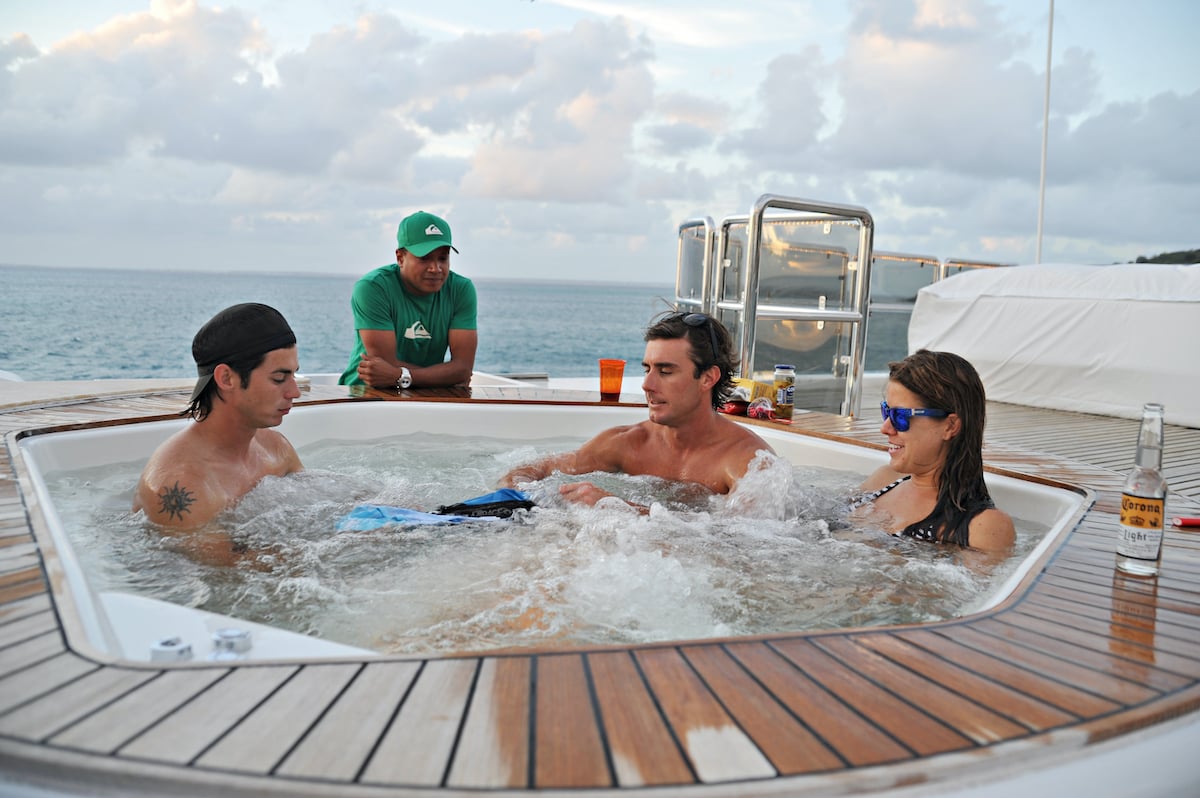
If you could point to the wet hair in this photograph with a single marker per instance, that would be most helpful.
(201, 404)
(671, 325)
(946, 381)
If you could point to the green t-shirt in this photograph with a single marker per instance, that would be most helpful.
(422, 323)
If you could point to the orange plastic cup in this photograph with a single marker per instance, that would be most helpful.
(611, 372)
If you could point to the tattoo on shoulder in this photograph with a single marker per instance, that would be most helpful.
(176, 500)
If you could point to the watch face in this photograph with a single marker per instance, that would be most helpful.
(405, 379)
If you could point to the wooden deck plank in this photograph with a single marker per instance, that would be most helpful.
(717, 748)
(644, 753)
(1125, 619)
(924, 734)
(33, 682)
(340, 744)
(110, 727)
(1098, 531)
(16, 541)
(21, 607)
(20, 584)
(30, 651)
(1079, 651)
(1026, 711)
(25, 557)
(494, 748)
(21, 629)
(787, 743)
(1054, 661)
(1131, 603)
(189, 731)
(967, 716)
(857, 741)
(1137, 645)
(568, 750)
(44, 716)
(417, 748)
(1091, 570)
(945, 643)
(265, 736)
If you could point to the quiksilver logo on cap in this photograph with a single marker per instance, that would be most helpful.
(432, 230)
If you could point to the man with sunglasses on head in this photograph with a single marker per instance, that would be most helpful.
(688, 367)
(407, 314)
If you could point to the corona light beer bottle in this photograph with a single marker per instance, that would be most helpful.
(1140, 535)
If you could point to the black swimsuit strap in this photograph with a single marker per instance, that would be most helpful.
(867, 498)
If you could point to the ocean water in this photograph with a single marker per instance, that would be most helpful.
(70, 324)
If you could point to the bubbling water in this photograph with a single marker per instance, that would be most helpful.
(777, 555)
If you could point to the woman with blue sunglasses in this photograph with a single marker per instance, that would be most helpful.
(932, 487)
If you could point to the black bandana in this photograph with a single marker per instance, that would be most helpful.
(238, 333)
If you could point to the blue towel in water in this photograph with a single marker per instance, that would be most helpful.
(490, 507)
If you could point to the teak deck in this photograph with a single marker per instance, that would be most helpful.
(1079, 655)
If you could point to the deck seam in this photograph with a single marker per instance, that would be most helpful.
(961, 694)
(852, 640)
(998, 683)
(385, 728)
(662, 715)
(911, 753)
(724, 646)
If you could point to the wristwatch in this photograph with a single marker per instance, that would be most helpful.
(404, 380)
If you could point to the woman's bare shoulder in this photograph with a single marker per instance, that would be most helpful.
(992, 530)
(884, 475)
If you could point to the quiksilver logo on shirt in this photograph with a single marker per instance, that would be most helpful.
(417, 332)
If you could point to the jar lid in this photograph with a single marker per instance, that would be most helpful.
(784, 366)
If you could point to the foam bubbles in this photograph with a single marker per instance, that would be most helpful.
(776, 555)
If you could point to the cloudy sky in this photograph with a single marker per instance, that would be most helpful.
(569, 138)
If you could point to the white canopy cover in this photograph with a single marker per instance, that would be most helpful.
(1091, 339)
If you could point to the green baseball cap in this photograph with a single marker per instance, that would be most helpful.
(422, 233)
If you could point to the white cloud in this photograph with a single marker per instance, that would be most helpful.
(693, 25)
(574, 130)
(570, 139)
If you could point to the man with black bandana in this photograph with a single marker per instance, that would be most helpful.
(246, 361)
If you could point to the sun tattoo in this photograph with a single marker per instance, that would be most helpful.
(176, 501)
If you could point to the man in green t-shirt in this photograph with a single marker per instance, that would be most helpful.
(408, 313)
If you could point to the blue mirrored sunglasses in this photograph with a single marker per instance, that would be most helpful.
(900, 416)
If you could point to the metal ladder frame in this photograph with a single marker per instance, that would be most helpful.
(748, 308)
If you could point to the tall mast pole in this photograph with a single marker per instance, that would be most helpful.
(1045, 134)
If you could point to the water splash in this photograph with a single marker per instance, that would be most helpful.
(775, 555)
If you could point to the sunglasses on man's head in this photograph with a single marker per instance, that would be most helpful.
(900, 416)
(701, 320)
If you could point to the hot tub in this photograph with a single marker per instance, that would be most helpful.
(118, 625)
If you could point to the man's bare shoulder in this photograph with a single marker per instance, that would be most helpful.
(175, 490)
(608, 449)
(741, 435)
(279, 449)
(625, 434)
(175, 455)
